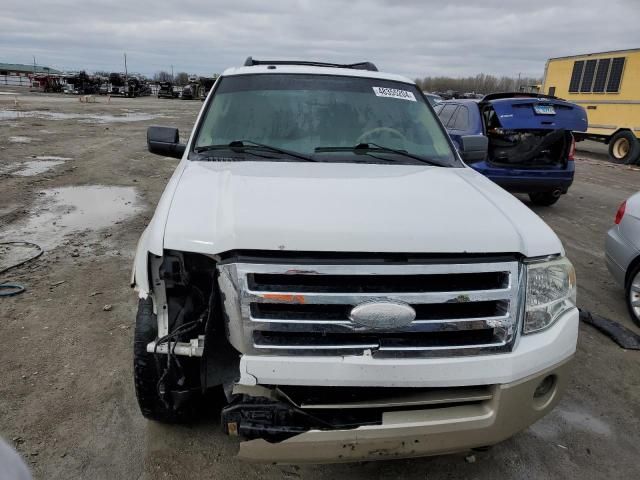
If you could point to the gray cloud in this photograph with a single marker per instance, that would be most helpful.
(411, 37)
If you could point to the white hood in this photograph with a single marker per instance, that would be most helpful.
(335, 207)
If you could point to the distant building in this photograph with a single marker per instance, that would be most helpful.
(20, 75)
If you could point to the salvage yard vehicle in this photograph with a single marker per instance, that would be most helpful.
(531, 147)
(206, 85)
(137, 88)
(69, 89)
(622, 253)
(166, 90)
(333, 266)
(607, 84)
(47, 84)
(190, 91)
(117, 84)
(82, 83)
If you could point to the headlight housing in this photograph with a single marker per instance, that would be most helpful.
(551, 291)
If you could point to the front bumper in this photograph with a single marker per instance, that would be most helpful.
(414, 433)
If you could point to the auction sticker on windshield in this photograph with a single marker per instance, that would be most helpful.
(394, 93)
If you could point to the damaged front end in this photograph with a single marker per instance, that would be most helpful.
(180, 348)
(305, 379)
(298, 312)
(278, 413)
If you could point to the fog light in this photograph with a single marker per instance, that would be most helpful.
(545, 386)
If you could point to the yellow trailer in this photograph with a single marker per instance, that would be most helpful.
(607, 85)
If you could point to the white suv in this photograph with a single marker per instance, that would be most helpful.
(323, 256)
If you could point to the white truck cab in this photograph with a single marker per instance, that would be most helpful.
(324, 256)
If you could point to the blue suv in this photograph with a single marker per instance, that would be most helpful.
(531, 147)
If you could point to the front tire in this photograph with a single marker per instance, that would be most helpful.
(544, 199)
(148, 369)
(632, 295)
(624, 147)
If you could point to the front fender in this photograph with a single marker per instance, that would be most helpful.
(152, 238)
(140, 270)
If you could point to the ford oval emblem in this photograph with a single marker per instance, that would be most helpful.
(382, 314)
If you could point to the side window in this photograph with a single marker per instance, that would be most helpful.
(615, 76)
(602, 73)
(446, 113)
(587, 76)
(438, 108)
(461, 121)
(576, 76)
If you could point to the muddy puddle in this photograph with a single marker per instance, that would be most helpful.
(34, 166)
(60, 212)
(81, 117)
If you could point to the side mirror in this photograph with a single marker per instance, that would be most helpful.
(165, 141)
(474, 148)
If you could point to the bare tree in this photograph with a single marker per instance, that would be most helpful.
(481, 83)
(182, 78)
(162, 76)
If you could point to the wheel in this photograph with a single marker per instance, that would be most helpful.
(544, 199)
(148, 370)
(624, 147)
(633, 295)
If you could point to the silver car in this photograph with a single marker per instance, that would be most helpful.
(622, 252)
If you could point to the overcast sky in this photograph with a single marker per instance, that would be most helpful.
(411, 37)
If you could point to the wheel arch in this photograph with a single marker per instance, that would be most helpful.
(140, 274)
(632, 266)
(619, 130)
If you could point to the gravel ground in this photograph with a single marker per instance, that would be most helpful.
(76, 178)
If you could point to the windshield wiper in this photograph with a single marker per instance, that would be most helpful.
(367, 148)
(242, 145)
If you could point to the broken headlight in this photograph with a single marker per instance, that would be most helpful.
(551, 291)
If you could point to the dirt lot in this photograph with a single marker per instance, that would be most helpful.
(66, 394)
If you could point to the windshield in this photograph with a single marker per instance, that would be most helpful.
(324, 118)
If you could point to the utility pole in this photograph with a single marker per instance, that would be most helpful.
(126, 83)
(171, 73)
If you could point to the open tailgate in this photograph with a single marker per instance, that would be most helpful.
(547, 113)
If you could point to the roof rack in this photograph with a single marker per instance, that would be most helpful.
(250, 62)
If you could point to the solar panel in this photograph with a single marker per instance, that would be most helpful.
(576, 75)
(615, 77)
(601, 75)
(587, 76)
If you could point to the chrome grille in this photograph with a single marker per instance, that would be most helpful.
(289, 309)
